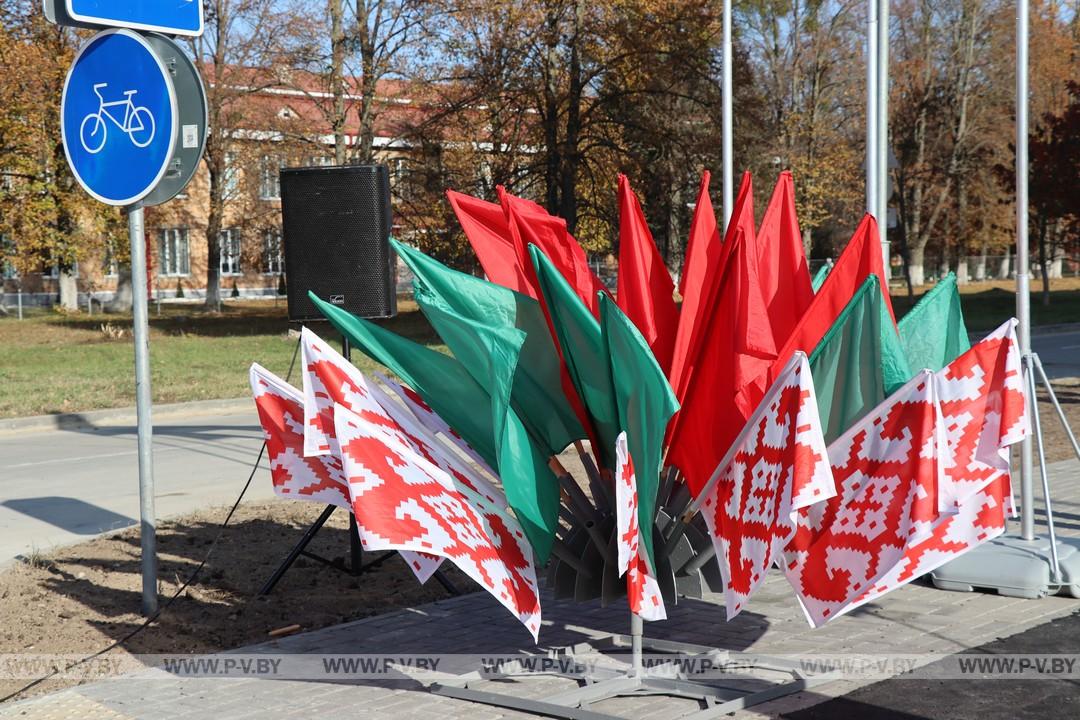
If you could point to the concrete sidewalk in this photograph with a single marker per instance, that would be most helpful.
(914, 619)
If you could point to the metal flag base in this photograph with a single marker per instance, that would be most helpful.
(716, 699)
(1014, 567)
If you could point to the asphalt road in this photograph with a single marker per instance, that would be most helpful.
(1060, 354)
(64, 486)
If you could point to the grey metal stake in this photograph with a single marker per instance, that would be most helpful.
(871, 107)
(882, 120)
(637, 629)
(726, 119)
(1037, 425)
(143, 404)
(20, 303)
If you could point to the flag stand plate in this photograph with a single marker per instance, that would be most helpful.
(716, 698)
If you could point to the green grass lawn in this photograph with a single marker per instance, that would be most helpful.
(55, 363)
(986, 305)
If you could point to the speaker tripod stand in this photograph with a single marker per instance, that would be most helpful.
(355, 566)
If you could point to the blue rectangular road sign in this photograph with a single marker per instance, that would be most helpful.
(173, 17)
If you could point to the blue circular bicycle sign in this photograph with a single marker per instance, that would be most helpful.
(118, 117)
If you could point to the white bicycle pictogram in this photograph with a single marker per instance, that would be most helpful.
(138, 122)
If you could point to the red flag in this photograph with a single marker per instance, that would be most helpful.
(785, 275)
(706, 259)
(860, 259)
(485, 226)
(530, 224)
(736, 347)
(645, 290)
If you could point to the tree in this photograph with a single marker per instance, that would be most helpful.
(238, 56)
(48, 219)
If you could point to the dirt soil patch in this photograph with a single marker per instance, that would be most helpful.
(80, 599)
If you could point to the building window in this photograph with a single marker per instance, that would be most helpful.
(108, 262)
(269, 179)
(173, 252)
(230, 181)
(229, 251)
(273, 258)
(400, 177)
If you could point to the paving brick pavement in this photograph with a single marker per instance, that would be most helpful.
(914, 619)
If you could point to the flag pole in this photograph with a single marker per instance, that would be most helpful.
(871, 107)
(729, 179)
(1023, 291)
(881, 146)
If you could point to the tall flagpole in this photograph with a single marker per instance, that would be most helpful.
(871, 107)
(729, 182)
(1023, 292)
(881, 146)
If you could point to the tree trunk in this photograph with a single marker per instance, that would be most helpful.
(1043, 269)
(962, 276)
(980, 265)
(337, 78)
(69, 290)
(121, 301)
(807, 240)
(550, 117)
(1005, 269)
(571, 155)
(918, 275)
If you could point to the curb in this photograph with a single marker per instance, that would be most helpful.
(94, 419)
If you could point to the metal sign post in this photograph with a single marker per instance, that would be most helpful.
(143, 405)
(133, 124)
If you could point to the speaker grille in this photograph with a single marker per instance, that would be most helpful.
(336, 233)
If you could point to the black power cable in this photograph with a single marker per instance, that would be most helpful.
(191, 578)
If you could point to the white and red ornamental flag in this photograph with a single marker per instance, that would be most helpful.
(402, 501)
(330, 379)
(642, 589)
(295, 476)
(887, 469)
(776, 466)
(432, 421)
(984, 410)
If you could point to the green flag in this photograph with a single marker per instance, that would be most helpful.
(933, 332)
(820, 275)
(583, 351)
(645, 404)
(859, 362)
(483, 419)
(537, 395)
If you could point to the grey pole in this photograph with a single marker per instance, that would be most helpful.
(147, 521)
(881, 147)
(871, 107)
(1023, 292)
(729, 180)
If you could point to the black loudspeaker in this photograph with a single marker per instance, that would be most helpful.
(336, 232)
